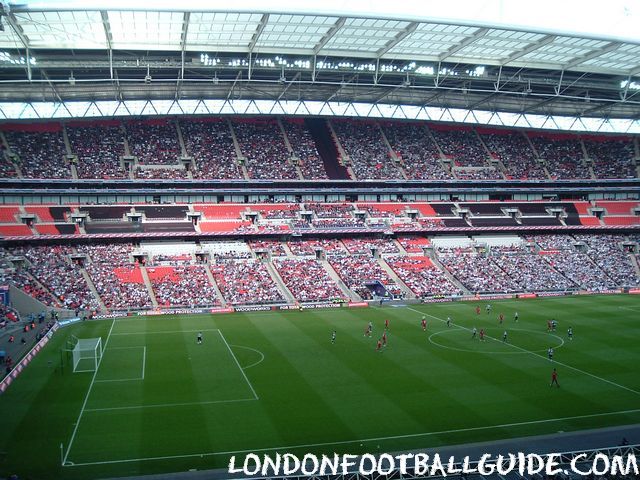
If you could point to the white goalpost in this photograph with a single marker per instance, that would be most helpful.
(87, 353)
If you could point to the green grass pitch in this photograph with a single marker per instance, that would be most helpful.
(160, 402)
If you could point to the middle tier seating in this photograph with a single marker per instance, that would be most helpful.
(246, 282)
(307, 280)
(182, 286)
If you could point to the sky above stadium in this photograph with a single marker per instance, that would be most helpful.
(615, 19)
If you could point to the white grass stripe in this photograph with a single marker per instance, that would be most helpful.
(170, 405)
(167, 332)
(86, 398)
(539, 356)
(238, 363)
(362, 440)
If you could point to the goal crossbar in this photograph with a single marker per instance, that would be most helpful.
(87, 353)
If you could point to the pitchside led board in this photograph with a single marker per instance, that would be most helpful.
(4, 295)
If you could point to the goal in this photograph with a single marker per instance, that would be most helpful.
(87, 353)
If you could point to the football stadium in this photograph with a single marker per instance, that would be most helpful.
(234, 232)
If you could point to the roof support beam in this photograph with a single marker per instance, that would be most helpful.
(233, 85)
(11, 19)
(117, 83)
(53, 87)
(594, 54)
(258, 32)
(329, 35)
(284, 90)
(341, 86)
(183, 45)
(466, 42)
(400, 36)
(183, 40)
(107, 32)
(546, 40)
(604, 106)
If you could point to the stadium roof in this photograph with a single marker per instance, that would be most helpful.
(79, 51)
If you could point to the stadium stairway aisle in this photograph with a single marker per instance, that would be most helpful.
(394, 276)
(326, 148)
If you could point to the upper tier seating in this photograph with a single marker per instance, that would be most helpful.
(612, 156)
(41, 154)
(488, 173)
(563, 155)
(513, 150)
(420, 156)
(305, 149)
(363, 143)
(154, 142)
(7, 168)
(210, 144)
(263, 145)
(99, 149)
(461, 146)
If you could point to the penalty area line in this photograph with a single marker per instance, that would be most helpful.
(346, 442)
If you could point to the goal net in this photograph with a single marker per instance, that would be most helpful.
(87, 353)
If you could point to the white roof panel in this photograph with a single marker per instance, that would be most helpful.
(74, 29)
(295, 31)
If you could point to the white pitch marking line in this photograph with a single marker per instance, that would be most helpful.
(253, 350)
(362, 440)
(631, 309)
(86, 398)
(494, 352)
(169, 405)
(118, 380)
(238, 363)
(540, 356)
